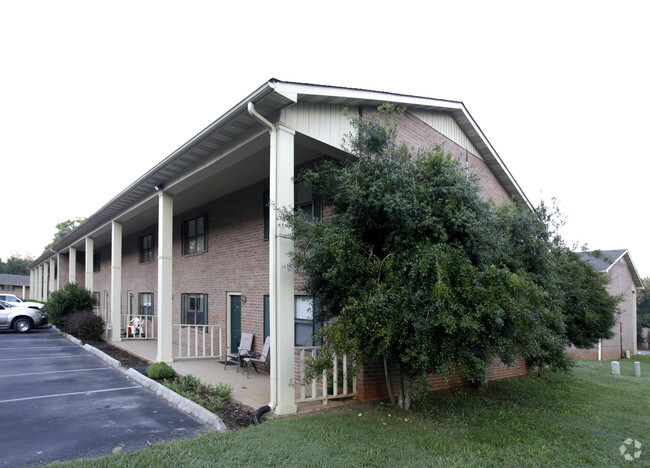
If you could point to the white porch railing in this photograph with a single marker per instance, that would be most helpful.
(319, 389)
(198, 341)
(139, 327)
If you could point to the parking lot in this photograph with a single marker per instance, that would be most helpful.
(59, 402)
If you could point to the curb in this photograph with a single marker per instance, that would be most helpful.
(182, 403)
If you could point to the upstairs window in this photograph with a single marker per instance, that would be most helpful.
(145, 249)
(194, 235)
(307, 203)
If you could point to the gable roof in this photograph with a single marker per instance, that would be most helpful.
(269, 100)
(604, 260)
(21, 280)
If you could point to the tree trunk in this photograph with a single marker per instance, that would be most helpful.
(400, 388)
(407, 395)
(389, 384)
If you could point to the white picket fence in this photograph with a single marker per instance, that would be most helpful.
(322, 388)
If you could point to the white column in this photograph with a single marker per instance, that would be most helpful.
(24, 298)
(52, 283)
(41, 281)
(165, 241)
(46, 280)
(116, 281)
(90, 263)
(282, 287)
(72, 265)
(32, 283)
(37, 292)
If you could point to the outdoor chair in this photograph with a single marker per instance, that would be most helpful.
(256, 358)
(245, 346)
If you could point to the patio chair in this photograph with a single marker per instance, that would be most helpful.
(256, 358)
(245, 346)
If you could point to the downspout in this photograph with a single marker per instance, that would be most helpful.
(273, 177)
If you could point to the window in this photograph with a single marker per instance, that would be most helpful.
(145, 304)
(305, 201)
(97, 262)
(194, 309)
(8, 287)
(145, 249)
(305, 326)
(97, 299)
(194, 235)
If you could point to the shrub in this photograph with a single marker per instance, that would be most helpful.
(160, 370)
(72, 298)
(85, 325)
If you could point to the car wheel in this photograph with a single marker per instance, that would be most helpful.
(23, 325)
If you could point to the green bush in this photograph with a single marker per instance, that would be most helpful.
(85, 325)
(72, 298)
(160, 370)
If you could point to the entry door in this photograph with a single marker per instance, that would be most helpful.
(235, 322)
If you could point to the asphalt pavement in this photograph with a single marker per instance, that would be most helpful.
(59, 402)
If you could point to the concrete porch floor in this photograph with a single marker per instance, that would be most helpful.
(253, 391)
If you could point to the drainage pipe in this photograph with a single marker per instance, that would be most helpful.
(273, 178)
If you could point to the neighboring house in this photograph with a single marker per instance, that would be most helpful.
(625, 282)
(193, 248)
(18, 285)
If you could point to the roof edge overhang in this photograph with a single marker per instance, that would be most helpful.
(630, 264)
(289, 93)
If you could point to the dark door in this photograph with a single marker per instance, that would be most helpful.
(235, 322)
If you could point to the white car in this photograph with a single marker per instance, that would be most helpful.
(16, 301)
(21, 318)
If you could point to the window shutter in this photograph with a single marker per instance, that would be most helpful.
(267, 327)
(205, 232)
(318, 208)
(266, 213)
(183, 235)
(182, 308)
(205, 309)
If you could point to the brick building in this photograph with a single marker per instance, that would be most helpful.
(192, 248)
(625, 282)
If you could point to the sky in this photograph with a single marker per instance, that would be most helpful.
(95, 93)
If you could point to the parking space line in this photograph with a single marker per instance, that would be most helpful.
(48, 357)
(40, 347)
(58, 372)
(87, 392)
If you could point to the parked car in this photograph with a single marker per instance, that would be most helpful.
(15, 300)
(20, 318)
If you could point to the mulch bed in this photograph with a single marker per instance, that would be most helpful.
(234, 415)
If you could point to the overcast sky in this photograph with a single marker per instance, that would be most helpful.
(95, 93)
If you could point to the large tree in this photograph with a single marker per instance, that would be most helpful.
(16, 264)
(415, 269)
(63, 228)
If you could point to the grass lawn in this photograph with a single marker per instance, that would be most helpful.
(579, 419)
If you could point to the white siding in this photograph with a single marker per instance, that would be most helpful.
(323, 122)
(446, 125)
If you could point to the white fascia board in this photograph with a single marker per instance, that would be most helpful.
(350, 93)
(614, 262)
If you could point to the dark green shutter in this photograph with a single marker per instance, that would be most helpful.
(205, 309)
(318, 208)
(205, 232)
(266, 213)
(182, 308)
(183, 235)
(267, 311)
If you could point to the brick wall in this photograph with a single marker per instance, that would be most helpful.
(420, 136)
(371, 382)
